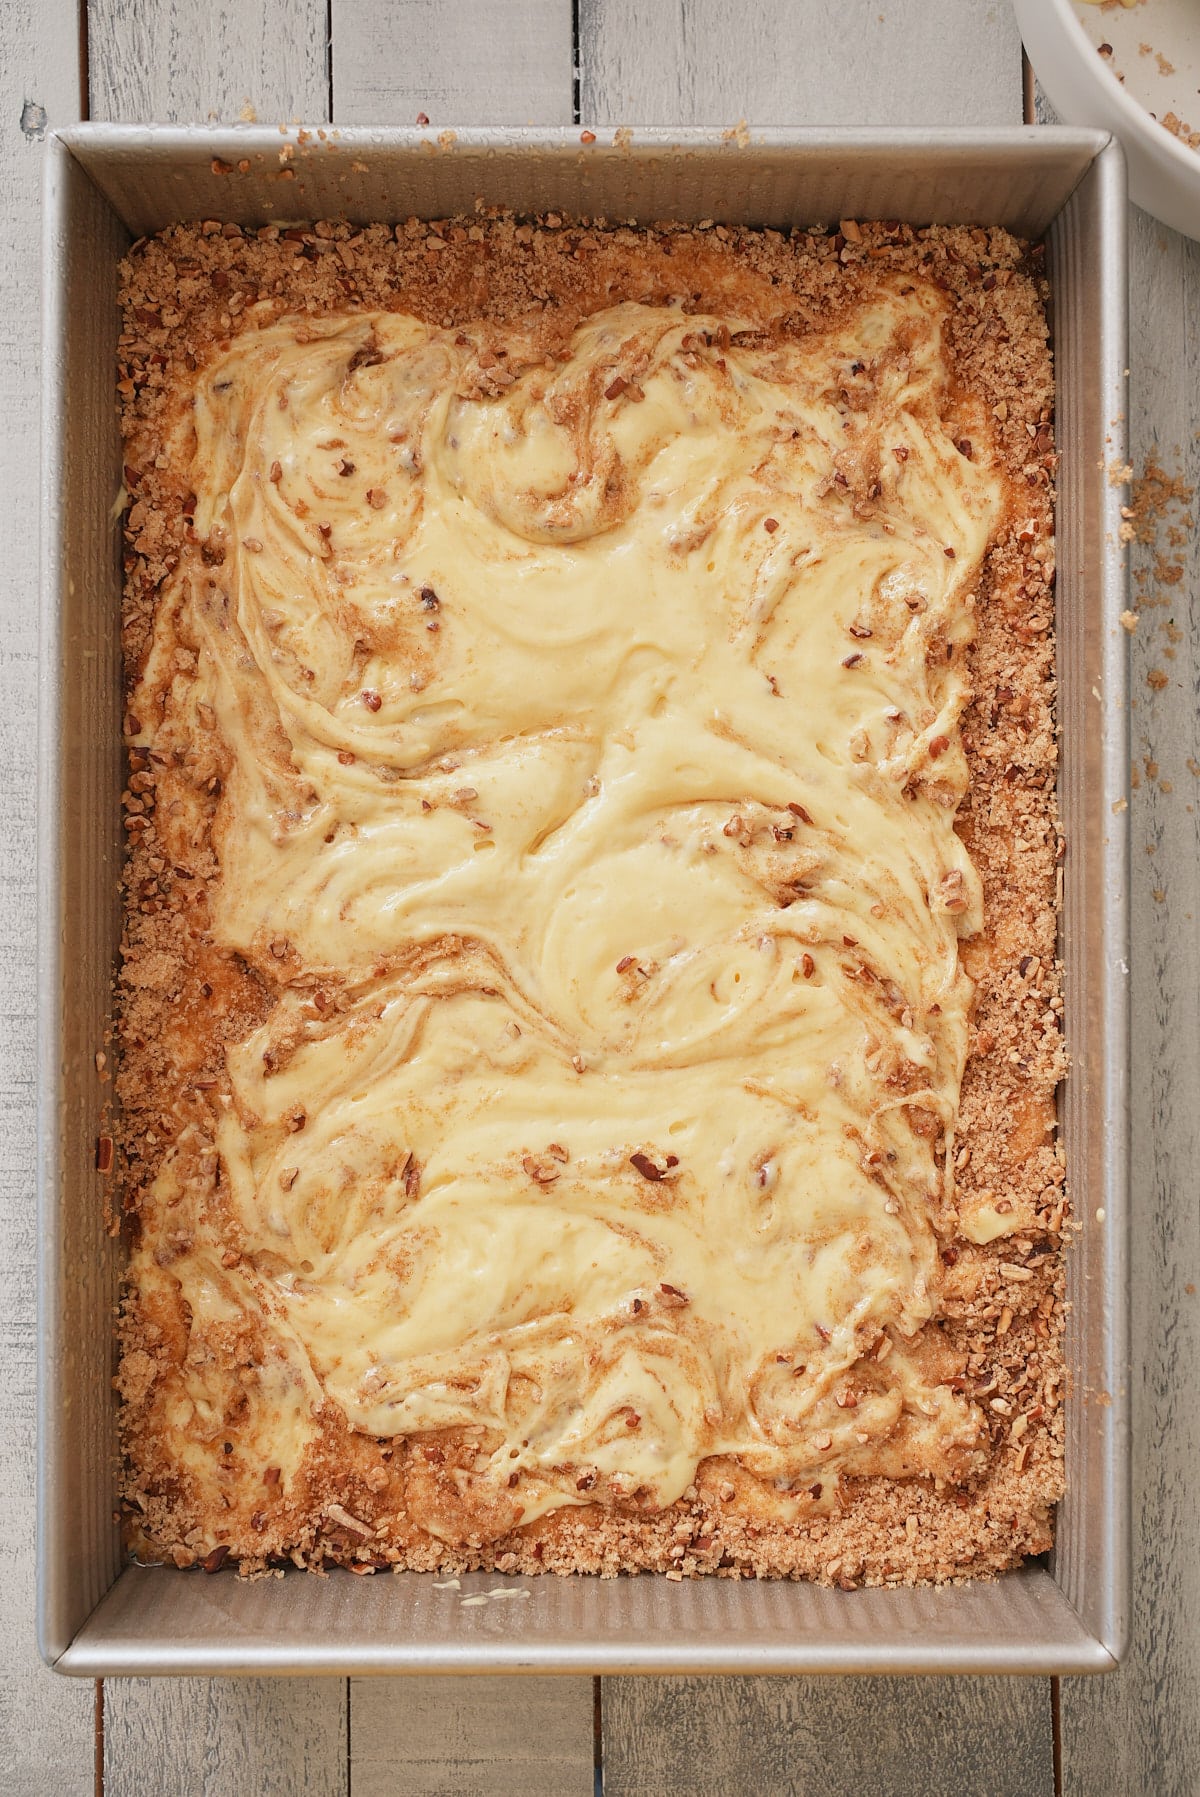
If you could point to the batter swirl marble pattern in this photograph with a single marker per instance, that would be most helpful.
(571, 724)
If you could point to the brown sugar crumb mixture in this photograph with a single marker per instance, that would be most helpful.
(589, 1019)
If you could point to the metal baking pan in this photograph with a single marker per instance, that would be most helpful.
(99, 1616)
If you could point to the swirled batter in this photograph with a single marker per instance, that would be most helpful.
(587, 736)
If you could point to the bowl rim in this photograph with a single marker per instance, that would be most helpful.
(1151, 131)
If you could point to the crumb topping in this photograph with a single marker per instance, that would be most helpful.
(197, 999)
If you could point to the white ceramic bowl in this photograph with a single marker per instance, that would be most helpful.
(1155, 47)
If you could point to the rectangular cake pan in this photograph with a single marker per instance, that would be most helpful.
(97, 1615)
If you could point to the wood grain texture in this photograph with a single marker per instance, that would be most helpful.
(477, 1737)
(208, 61)
(254, 1737)
(939, 1737)
(496, 62)
(46, 1733)
(1139, 1729)
(189, 60)
(799, 62)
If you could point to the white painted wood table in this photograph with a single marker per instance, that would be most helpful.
(610, 62)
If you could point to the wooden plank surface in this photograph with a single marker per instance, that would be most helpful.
(799, 62)
(478, 1737)
(506, 62)
(509, 62)
(202, 61)
(256, 1737)
(782, 62)
(940, 1737)
(223, 1737)
(1139, 1730)
(46, 1727)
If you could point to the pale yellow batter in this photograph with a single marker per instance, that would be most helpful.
(590, 761)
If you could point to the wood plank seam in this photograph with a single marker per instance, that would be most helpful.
(187, 60)
(98, 1746)
(576, 58)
